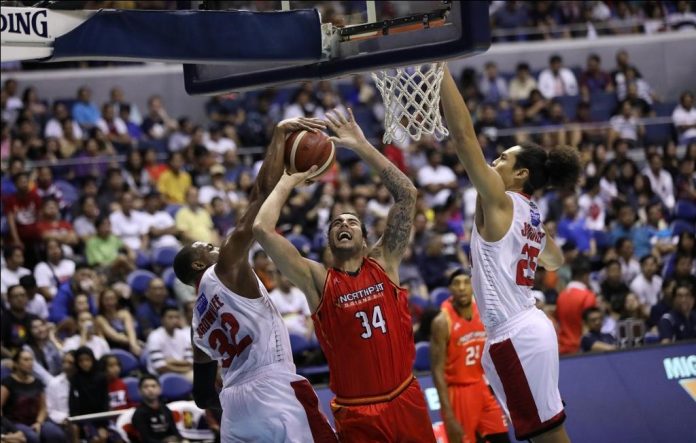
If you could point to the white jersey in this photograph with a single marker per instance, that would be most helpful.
(503, 271)
(244, 334)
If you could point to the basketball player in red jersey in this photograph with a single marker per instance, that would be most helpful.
(508, 241)
(456, 344)
(359, 310)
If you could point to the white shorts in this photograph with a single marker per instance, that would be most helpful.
(520, 360)
(275, 405)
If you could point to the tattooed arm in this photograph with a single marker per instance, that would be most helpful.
(390, 248)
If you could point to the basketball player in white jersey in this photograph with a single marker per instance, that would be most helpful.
(508, 242)
(236, 324)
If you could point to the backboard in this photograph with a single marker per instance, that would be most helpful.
(356, 36)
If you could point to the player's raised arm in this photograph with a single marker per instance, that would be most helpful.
(390, 248)
(238, 243)
(303, 273)
(438, 355)
(487, 182)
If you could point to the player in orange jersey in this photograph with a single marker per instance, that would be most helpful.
(456, 343)
(361, 313)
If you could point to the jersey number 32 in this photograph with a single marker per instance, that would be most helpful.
(226, 343)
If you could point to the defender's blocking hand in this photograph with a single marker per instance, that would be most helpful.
(348, 133)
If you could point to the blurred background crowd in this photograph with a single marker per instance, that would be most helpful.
(98, 197)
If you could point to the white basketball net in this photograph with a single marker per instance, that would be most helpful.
(412, 101)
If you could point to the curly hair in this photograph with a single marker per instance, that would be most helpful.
(559, 168)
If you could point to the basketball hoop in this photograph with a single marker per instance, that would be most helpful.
(412, 101)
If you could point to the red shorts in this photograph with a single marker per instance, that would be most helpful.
(404, 418)
(476, 410)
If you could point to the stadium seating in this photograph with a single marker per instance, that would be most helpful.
(128, 361)
(132, 389)
(301, 243)
(164, 257)
(169, 277)
(422, 361)
(175, 387)
(139, 279)
(439, 295)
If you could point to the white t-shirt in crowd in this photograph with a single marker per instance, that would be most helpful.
(97, 344)
(593, 209)
(51, 276)
(161, 220)
(38, 306)
(54, 129)
(682, 117)
(648, 292)
(119, 125)
(293, 308)
(162, 346)
(221, 146)
(129, 228)
(626, 127)
(10, 278)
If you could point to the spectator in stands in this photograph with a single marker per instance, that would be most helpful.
(194, 221)
(112, 189)
(37, 303)
(573, 226)
(22, 212)
(592, 206)
(24, 403)
(114, 128)
(683, 19)
(436, 179)
(630, 267)
(625, 125)
(44, 347)
(88, 335)
(660, 180)
(493, 86)
(217, 188)
(84, 111)
(46, 188)
(522, 84)
(118, 101)
(175, 181)
(181, 138)
(641, 106)
(622, 65)
(262, 264)
(292, 305)
(129, 224)
(148, 313)
(52, 227)
(16, 321)
(594, 79)
(116, 323)
(512, 15)
(556, 80)
(679, 323)
(110, 366)
(89, 394)
(571, 304)
(684, 268)
(108, 252)
(684, 118)
(594, 339)
(135, 175)
(218, 143)
(31, 102)
(125, 114)
(301, 104)
(54, 126)
(161, 226)
(83, 281)
(434, 265)
(641, 87)
(169, 347)
(157, 125)
(58, 393)
(12, 101)
(153, 420)
(14, 268)
(613, 285)
(647, 285)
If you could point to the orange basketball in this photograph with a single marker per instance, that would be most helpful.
(304, 149)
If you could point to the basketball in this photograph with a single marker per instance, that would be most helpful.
(304, 149)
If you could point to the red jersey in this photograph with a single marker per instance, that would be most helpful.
(118, 395)
(364, 327)
(465, 346)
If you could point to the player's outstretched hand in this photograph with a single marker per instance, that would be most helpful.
(297, 124)
(299, 178)
(348, 133)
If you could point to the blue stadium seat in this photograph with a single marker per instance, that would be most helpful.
(320, 241)
(439, 295)
(680, 226)
(132, 389)
(142, 260)
(129, 362)
(419, 302)
(664, 109)
(164, 257)
(602, 106)
(658, 134)
(685, 210)
(299, 344)
(569, 104)
(300, 242)
(139, 279)
(422, 361)
(175, 387)
(70, 193)
(172, 209)
(169, 276)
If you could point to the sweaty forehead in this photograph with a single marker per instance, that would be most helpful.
(199, 244)
(345, 217)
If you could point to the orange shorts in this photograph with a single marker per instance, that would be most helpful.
(476, 410)
(404, 418)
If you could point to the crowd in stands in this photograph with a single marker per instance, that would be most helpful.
(88, 240)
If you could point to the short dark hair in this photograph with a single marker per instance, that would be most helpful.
(522, 66)
(9, 250)
(581, 266)
(169, 308)
(620, 242)
(182, 265)
(19, 175)
(645, 258)
(594, 57)
(456, 273)
(27, 281)
(559, 168)
(555, 58)
(589, 311)
(147, 377)
(363, 228)
(12, 288)
(612, 262)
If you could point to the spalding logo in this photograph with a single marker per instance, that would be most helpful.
(29, 23)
